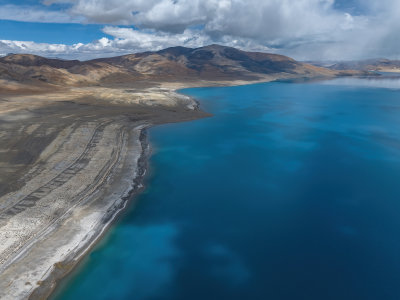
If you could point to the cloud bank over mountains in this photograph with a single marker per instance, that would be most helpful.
(303, 29)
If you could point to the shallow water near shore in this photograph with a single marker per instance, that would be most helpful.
(291, 191)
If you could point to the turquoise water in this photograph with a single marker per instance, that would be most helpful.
(291, 191)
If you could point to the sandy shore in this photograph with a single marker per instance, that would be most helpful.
(70, 161)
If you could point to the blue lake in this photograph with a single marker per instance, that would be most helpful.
(290, 191)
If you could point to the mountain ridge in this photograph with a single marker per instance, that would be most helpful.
(211, 63)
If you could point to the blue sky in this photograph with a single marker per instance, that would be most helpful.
(50, 32)
(303, 29)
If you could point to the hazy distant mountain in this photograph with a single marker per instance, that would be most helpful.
(212, 63)
(382, 65)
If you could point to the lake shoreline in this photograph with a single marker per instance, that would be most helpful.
(179, 108)
(197, 223)
(84, 173)
(52, 282)
(129, 200)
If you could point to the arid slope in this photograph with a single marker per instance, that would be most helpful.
(177, 64)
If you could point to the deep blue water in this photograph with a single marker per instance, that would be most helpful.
(291, 191)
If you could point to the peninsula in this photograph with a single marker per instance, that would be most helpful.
(73, 144)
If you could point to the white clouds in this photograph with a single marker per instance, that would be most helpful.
(305, 29)
(250, 18)
(100, 48)
(153, 40)
(126, 40)
(27, 46)
(35, 14)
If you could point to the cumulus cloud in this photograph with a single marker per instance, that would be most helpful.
(26, 13)
(305, 29)
(123, 41)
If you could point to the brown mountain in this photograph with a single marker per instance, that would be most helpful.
(210, 63)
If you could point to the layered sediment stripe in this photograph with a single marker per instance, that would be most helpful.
(25, 241)
(59, 180)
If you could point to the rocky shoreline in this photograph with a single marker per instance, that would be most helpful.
(72, 168)
(63, 268)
